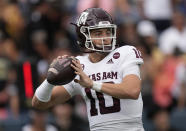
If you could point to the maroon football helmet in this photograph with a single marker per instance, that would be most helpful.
(91, 19)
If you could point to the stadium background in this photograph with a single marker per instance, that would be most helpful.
(33, 32)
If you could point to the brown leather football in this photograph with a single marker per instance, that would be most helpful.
(60, 72)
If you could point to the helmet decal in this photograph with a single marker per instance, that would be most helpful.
(82, 19)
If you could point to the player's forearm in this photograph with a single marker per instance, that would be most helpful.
(42, 96)
(124, 90)
(116, 90)
(39, 104)
(58, 95)
(47, 95)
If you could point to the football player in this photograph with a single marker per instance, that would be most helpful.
(108, 78)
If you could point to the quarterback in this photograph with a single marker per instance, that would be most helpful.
(108, 78)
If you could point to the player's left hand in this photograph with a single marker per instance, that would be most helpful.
(84, 80)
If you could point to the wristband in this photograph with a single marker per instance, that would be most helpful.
(44, 91)
(97, 86)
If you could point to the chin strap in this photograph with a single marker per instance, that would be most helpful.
(102, 53)
(85, 50)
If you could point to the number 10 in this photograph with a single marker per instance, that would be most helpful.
(102, 107)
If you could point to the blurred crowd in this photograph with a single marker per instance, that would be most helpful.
(34, 32)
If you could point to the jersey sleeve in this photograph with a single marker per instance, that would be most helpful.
(133, 56)
(72, 89)
(133, 69)
(132, 59)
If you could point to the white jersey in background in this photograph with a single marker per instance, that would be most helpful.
(106, 112)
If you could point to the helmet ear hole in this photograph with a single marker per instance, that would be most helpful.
(82, 29)
(87, 44)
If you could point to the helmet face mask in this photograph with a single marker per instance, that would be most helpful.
(102, 46)
(91, 20)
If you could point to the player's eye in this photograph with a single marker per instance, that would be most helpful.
(98, 33)
(108, 33)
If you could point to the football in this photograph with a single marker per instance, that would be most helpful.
(60, 72)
